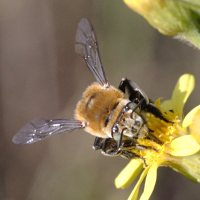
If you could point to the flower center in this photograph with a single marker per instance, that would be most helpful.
(165, 132)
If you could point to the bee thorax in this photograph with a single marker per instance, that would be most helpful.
(96, 107)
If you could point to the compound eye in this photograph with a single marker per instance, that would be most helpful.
(115, 128)
(126, 108)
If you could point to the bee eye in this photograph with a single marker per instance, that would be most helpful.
(126, 108)
(115, 128)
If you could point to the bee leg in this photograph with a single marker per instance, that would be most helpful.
(120, 141)
(142, 147)
(131, 155)
(135, 93)
(112, 153)
(124, 84)
(98, 143)
(155, 111)
(110, 148)
(153, 138)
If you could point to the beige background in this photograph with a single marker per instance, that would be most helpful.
(41, 76)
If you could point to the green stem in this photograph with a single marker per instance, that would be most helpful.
(189, 166)
(192, 33)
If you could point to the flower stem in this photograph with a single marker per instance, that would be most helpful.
(189, 166)
(192, 33)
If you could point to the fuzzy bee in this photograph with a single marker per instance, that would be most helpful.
(104, 110)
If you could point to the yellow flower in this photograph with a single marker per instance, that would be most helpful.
(176, 143)
(178, 18)
(194, 124)
(167, 16)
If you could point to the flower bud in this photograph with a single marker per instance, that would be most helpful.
(168, 17)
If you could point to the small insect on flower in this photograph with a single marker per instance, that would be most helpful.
(118, 122)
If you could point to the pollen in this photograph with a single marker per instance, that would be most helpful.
(165, 132)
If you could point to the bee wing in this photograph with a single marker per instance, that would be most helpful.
(137, 88)
(87, 47)
(40, 129)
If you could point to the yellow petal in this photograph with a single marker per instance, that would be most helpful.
(134, 193)
(195, 126)
(167, 105)
(151, 180)
(128, 174)
(182, 91)
(132, 4)
(184, 146)
(190, 116)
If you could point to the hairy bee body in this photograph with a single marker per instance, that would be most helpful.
(95, 106)
(102, 107)
(104, 111)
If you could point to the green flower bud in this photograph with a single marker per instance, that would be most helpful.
(168, 17)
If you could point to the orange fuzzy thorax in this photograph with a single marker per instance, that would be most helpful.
(95, 106)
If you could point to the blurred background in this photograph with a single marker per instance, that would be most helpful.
(41, 76)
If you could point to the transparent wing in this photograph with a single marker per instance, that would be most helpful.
(87, 47)
(40, 129)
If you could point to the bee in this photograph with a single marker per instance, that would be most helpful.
(104, 111)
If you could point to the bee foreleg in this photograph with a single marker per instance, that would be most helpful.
(155, 111)
(98, 143)
(135, 93)
(142, 147)
(153, 138)
(131, 155)
(110, 148)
